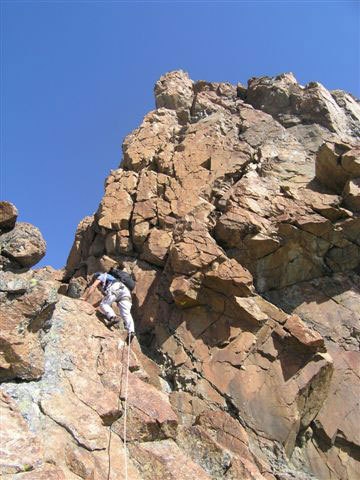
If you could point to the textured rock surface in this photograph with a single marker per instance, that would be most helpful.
(8, 215)
(23, 246)
(27, 304)
(332, 306)
(236, 210)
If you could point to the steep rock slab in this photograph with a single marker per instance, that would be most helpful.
(248, 357)
(331, 306)
(79, 395)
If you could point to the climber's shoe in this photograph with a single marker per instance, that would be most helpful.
(113, 322)
(130, 337)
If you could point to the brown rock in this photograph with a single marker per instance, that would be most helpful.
(144, 216)
(237, 223)
(24, 245)
(339, 417)
(8, 215)
(46, 472)
(81, 421)
(314, 224)
(307, 337)
(249, 310)
(294, 262)
(92, 392)
(165, 460)
(196, 250)
(100, 264)
(187, 406)
(261, 245)
(346, 257)
(351, 194)
(146, 305)
(230, 278)
(228, 432)
(150, 412)
(236, 352)
(116, 218)
(332, 306)
(210, 149)
(185, 292)
(80, 249)
(112, 462)
(350, 161)
(152, 141)
(257, 127)
(291, 103)
(331, 461)
(243, 468)
(156, 247)
(26, 308)
(82, 462)
(21, 449)
(175, 91)
(118, 243)
(332, 170)
(262, 378)
(204, 450)
(213, 96)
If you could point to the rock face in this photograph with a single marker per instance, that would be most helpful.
(27, 303)
(236, 210)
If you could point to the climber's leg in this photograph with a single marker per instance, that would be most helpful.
(105, 306)
(125, 312)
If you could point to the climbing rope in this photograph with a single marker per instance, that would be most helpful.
(125, 408)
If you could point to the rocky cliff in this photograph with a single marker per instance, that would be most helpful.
(237, 210)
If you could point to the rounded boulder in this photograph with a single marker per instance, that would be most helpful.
(8, 215)
(23, 245)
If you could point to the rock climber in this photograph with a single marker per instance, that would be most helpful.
(115, 291)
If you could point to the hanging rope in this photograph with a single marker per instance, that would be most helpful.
(125, 407)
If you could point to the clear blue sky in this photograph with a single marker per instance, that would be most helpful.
(78, 76)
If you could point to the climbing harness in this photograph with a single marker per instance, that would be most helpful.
(125, 406)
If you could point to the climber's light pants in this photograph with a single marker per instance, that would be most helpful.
(121, 295)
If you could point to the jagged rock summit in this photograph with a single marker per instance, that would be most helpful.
(237, 211)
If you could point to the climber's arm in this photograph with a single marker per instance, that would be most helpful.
(90, 290)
